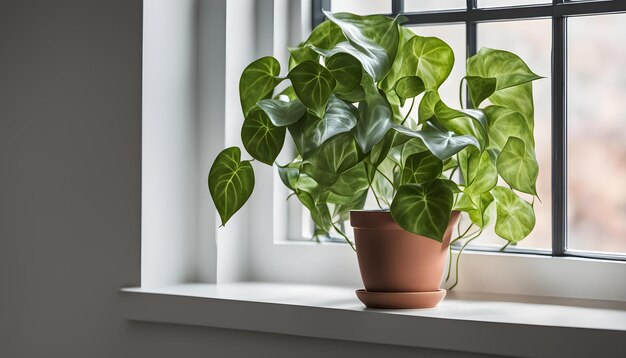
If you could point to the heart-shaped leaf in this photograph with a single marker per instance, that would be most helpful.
(518, 166)
(429, 58)
(326, 36)
(441, 143)
(346, 70)
(319, 212)
(397, 70)
(381, 30)
(336, 155)
(480, 88)
(231, 182)
(515, 218)
(262, 140)
(301, 54)
(421, 167)
(504, 123)
(351, 182)
(423, 209)
(258, 81)
(409, 87)
(374, 56)
(282, 113)
(481, 216)
(518, 99)
(506, 67)
(313, 84)
(426, 109)
(482, 175)
(463, 122)
(375, 119)
(310, 132)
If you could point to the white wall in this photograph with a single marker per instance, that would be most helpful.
(70, 187)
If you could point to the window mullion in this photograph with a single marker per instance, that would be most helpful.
(559, 134)
(471, 40)
(397, 7)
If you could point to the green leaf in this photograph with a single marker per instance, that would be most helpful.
(441, 143)
(519, 99)
(319, 211)
(231, 182)
(465, 203)
(513, 77)
(480, 216)
(480, 88)
(301, 54)
(421, 167)
(409, 87)
(401, 152)
(518, 166)
(423, 209)
(313, 84)
(482, 176)
(381, 149)
(462, 122)
(360, 32)
(258, 81)
(379, 29)
(326, 36)
(506, 67)
(282, 113)
(375, 119)
(426, 109)
(397, 70)
(515, 218)
(262, 139)
(346, 70)
(310, 132)
(351, 182)
(505, 123)
(335, 156)
(429, 58)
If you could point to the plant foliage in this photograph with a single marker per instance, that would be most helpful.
(346, 111)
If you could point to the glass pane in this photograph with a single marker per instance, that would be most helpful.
(531, 40)
(431, 5)
(503, 3)
(597, 133)
(361, 7)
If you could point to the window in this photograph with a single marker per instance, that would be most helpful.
(579, 114)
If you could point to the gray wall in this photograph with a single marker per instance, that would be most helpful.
(70, 175)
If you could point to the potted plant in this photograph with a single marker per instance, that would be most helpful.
(363, 109)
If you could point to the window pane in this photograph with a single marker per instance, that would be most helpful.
(503, 3)
(531, 40)
(597, 133)
(361, 7)
(430, 5)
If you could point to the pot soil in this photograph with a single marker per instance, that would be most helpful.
(399, 269)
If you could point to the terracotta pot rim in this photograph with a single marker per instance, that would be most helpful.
(379, 219)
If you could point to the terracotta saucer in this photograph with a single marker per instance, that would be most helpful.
(392, 300)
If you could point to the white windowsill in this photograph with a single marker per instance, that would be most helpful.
(481, 323)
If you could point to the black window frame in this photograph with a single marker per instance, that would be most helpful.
(558, 11)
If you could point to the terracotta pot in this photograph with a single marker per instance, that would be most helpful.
(394, 260)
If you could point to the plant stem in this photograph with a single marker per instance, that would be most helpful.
(345, 237)
(505, 246)
(458, 257)
(452, 172)
(409, 112)
(461, 92)
(461, 236)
